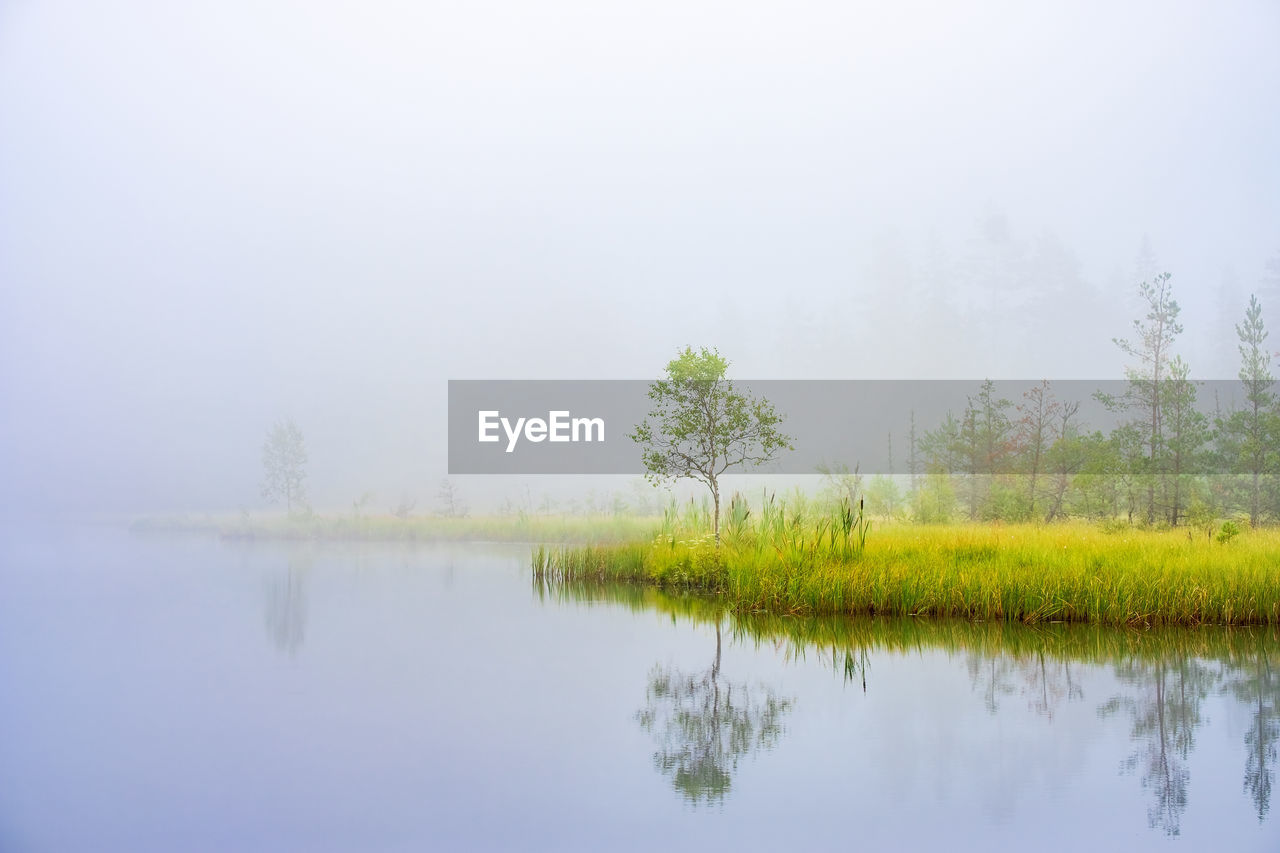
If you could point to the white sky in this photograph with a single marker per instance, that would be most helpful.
(215, 214)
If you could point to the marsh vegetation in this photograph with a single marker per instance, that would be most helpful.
(811, 558)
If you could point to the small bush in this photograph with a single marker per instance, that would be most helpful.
(1115, 525)
(1229, 530)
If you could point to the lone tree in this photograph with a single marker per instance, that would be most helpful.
(450, 499)
(700, 425)
(284, 460)
(1249, 433)
(1148, 379)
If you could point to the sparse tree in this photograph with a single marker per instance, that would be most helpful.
(841, 484)
(449, 500)
(700, 425)
(941, 447)
(284, 464)
(1188, 430)
(1153, 350)
(883, 497)
(360, 504)
(1064, 459)
(985, 446)
(1038, 414)
(404, 508)
(1249, 434)
(913, 454)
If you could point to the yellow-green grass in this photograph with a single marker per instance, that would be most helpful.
(1073, 572)
(389, 528)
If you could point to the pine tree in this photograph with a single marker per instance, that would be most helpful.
(1153, 350)
(1249, 433)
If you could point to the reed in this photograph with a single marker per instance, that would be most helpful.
(807, 559)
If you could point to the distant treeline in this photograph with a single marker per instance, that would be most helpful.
(1167, 460)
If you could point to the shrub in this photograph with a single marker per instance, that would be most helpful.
(1229, 530)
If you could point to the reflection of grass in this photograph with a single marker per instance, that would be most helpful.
(515, 528)
(1024, 573)
(839, 635)
(1164, 675)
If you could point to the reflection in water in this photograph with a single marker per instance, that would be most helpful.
(704, 725)
(1164, 713)
(1045, 682)
(285, 607)
(1256, 687)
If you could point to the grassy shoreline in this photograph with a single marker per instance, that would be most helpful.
(1032, 574)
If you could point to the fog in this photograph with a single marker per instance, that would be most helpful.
(217, 215)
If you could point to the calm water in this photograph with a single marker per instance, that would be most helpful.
(190, 694)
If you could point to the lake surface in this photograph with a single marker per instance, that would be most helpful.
(193, 694)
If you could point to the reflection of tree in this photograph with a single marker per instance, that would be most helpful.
(1048, 683)
(704, 725)
(1256, 687)
(286, 608)
(1165, 673)
(1165, 712)
(1045, 682)
(994, 674)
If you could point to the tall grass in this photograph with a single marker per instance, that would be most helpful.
(802, 558)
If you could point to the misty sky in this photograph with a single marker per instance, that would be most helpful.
(214, 215)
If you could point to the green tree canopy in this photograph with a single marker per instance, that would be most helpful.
(700, 425)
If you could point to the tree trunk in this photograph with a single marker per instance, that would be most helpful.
(715, 520)
(1253, 504)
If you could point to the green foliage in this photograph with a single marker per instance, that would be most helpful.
(1255, 361)
(884, 499)
(1165, 455)
(934, 502)
(703, 366)
(1248, 437)
(1201, 516)
(1006, 501)
(1227, 532)
(1115, 525)
(1152, 351)
(700, 426)
(738, 518)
